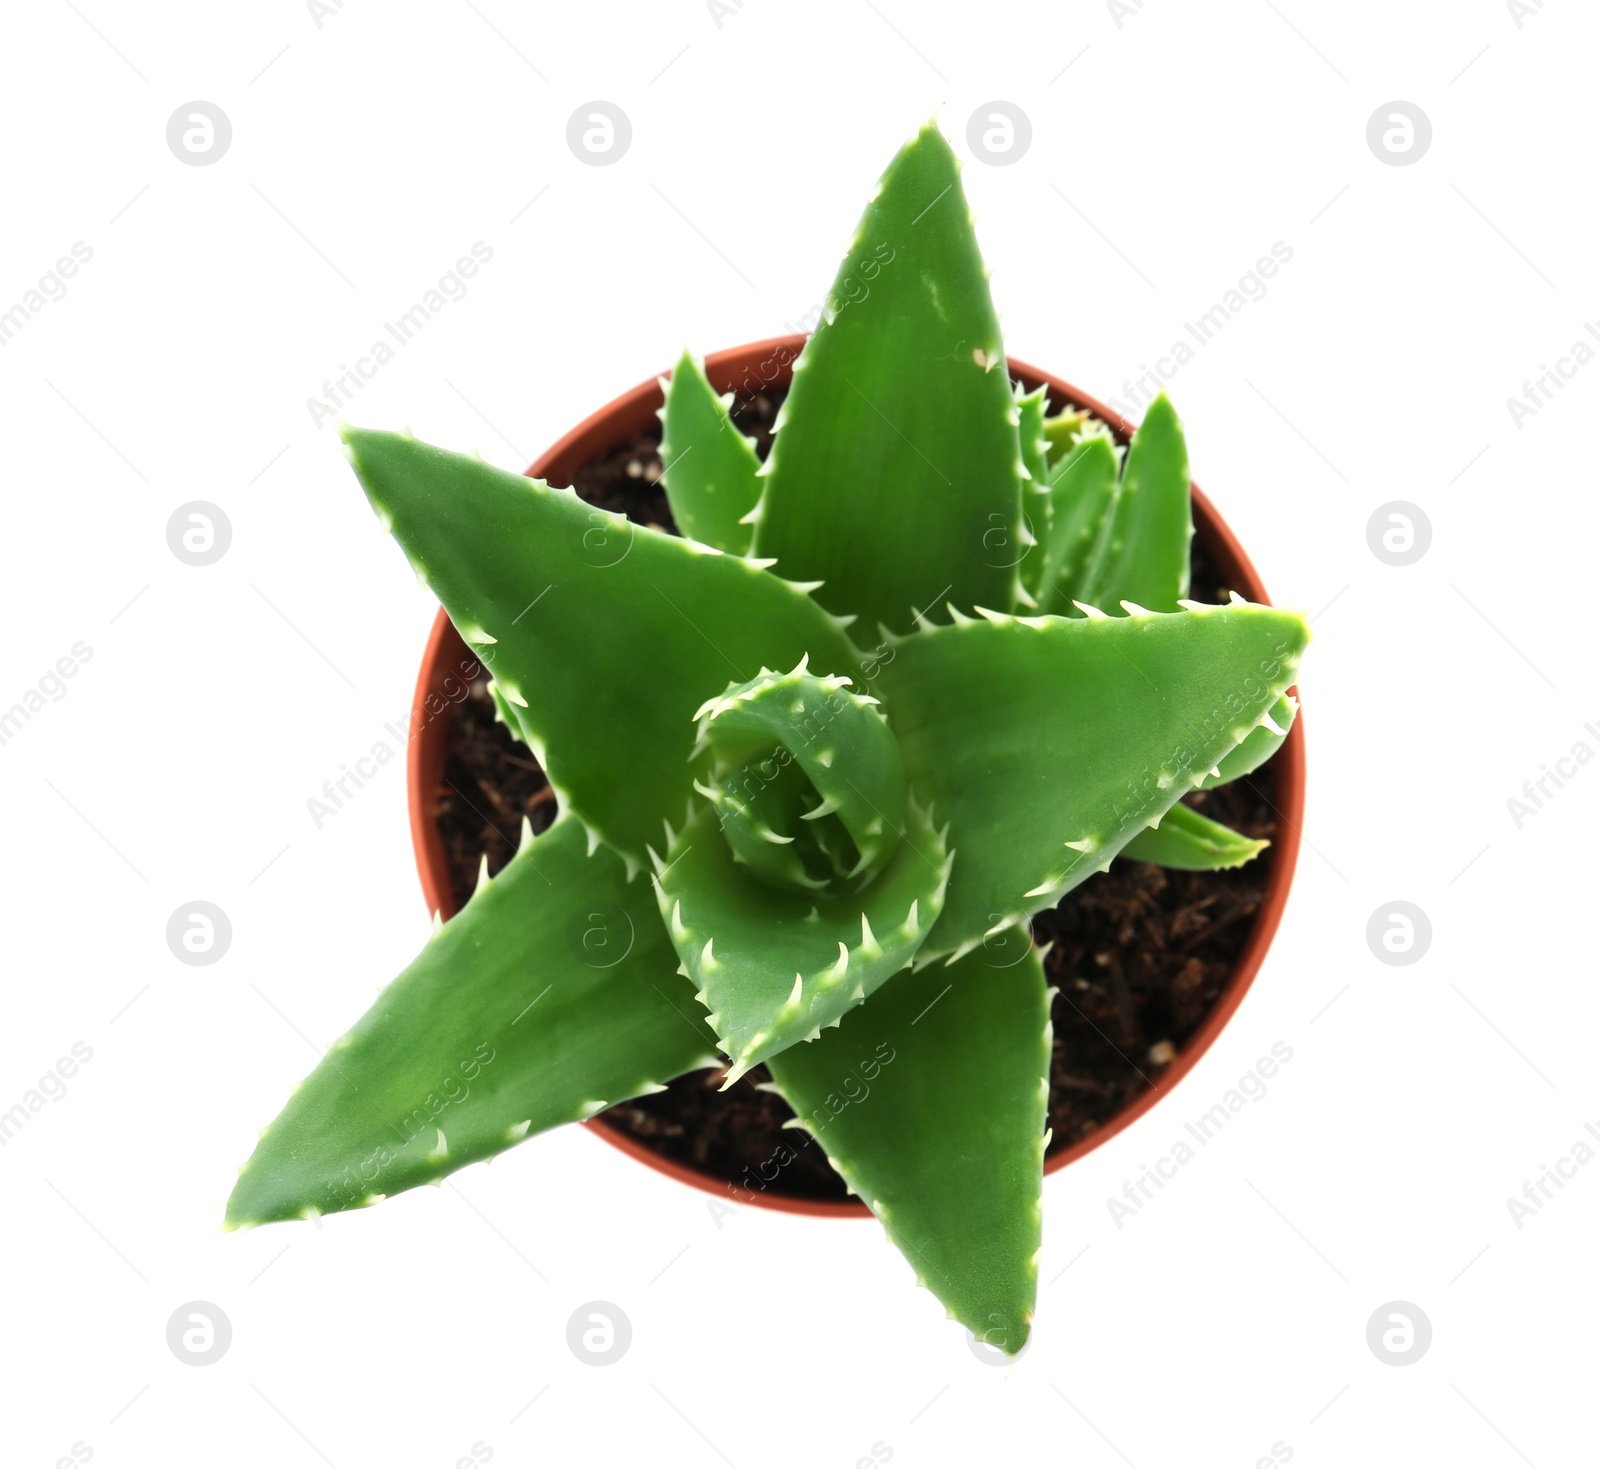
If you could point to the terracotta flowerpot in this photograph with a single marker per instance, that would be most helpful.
(447, 665)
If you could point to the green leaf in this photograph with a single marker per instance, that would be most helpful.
(1193, 843)
(708, 467)
(1143, 553)
(930, 1099)
(849, 778)
(604, 636)
(896, 477)
(1062, 432)
(1259, 746)
(774, 965)
(552, 994)
(1082, 487)
(1047, 743)
(1036, 502)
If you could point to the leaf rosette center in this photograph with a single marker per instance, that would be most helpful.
(807, 780)
(810, 874)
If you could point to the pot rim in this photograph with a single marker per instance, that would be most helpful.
(748, 369)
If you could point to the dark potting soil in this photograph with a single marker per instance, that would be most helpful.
(1139, 954)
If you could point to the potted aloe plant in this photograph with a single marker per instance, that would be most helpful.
(899, 686)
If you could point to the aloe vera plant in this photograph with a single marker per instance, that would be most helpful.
(907, 681)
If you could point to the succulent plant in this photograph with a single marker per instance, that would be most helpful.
(899, 686)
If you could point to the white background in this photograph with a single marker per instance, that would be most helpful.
(1169, 152)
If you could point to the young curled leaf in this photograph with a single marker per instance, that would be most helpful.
(811, 876)
(779, 739)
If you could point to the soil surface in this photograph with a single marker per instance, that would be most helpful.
(1139, 954)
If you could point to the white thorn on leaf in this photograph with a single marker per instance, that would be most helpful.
(840, 968)
(962, 952)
